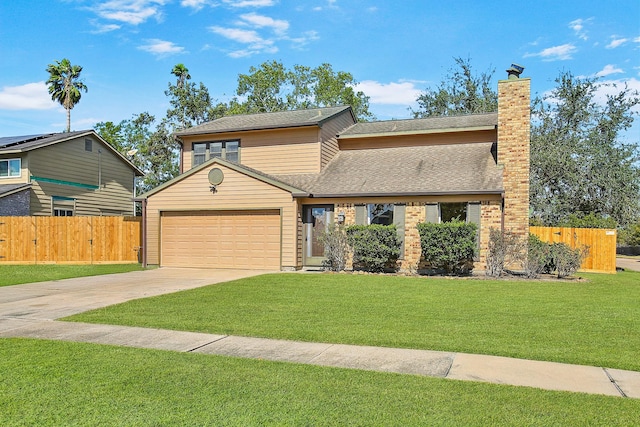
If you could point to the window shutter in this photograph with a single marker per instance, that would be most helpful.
(473, 215)
(361, 215)
(398, 220)
(432, 213)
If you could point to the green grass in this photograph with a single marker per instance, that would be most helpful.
(48, 383)
(19, 274)
(591, 323)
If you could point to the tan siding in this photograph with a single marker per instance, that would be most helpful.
(237, 192)
(415, 140)
(24, 169)
(68, 161)
(270, 151)
(328, 136)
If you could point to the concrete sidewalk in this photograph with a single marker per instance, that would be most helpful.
(30, 311)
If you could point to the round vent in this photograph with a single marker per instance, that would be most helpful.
(216, 176)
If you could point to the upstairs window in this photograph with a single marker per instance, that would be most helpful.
(10, 168)
(203, 151)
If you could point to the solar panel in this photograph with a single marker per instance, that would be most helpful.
(10, 140)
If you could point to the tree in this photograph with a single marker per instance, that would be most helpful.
(273, 87)
(578, 163)
(460, 92)
(65, 86)
(182, 73)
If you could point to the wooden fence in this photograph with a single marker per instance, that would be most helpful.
(601, 243)
(69, 240)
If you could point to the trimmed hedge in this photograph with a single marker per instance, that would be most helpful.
(449, 246)
(376, 248)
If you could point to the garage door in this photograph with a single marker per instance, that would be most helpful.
(229, 239)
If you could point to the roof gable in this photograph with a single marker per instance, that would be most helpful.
(20, 144)
(260, 176)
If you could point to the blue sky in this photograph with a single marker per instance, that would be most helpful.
(395, 49)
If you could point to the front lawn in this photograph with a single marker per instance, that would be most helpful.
(18, 274)
(47, 383)
(590, 323)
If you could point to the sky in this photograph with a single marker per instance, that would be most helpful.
(395, 49)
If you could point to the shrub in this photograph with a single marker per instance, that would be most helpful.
(449, 246)
(504, 248)
(567, 260)
(376, 248)
(336, 248)
(539, 258)
(591, 220)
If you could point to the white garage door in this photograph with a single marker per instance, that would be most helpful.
(221, 239)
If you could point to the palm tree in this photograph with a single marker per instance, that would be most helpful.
(65, 86)
(182, 73)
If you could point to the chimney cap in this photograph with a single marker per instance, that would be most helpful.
(514, 71)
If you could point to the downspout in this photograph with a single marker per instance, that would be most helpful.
(143, 244)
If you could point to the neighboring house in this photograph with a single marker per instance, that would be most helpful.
(257, 189)
(64, 174)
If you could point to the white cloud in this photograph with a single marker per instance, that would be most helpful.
(616, 42)
(577, 26)
(613, 87)
(194, 4)
(255, 43)
(260, 21)
(555, 53)
(249, 3)
(395, 93)
(161, 48)
(608, 70)
(30, 96)
(132, 12)
(105, 28)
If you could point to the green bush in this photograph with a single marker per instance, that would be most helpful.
(591, 220)
(567, 260)
(336, 248)
(539, 257)
(376, 248)
(449, 246)
(504, 248)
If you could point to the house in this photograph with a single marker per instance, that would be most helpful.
(255, 190)
(64, 174)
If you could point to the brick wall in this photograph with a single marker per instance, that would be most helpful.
(16, 204)
(514, 134)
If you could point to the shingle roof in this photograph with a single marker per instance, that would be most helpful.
(29, 142)
(7, 189)
(435, 169)
(431, 124)
(275, 120)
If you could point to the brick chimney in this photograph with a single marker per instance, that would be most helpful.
(514, 135)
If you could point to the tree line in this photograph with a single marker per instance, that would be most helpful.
(582, 170)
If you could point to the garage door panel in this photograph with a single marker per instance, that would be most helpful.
(221, 239)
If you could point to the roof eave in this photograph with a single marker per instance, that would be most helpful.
(419, 132)
(408, 193)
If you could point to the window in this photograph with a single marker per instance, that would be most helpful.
(380, 213)
(88, 145)
(10, 168)
(453, 211)
(63, 212)
(203, 151)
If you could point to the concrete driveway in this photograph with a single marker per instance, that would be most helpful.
(628, 263)
(60, 298)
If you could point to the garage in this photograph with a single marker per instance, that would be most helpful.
(221, 239)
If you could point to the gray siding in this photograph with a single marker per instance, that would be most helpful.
(99, 181)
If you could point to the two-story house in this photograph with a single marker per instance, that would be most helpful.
(64, 174)
(256, 189)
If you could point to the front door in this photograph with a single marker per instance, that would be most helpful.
(316, 219)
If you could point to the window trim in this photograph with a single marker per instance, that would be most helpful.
(19, 160)
(207, 150)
